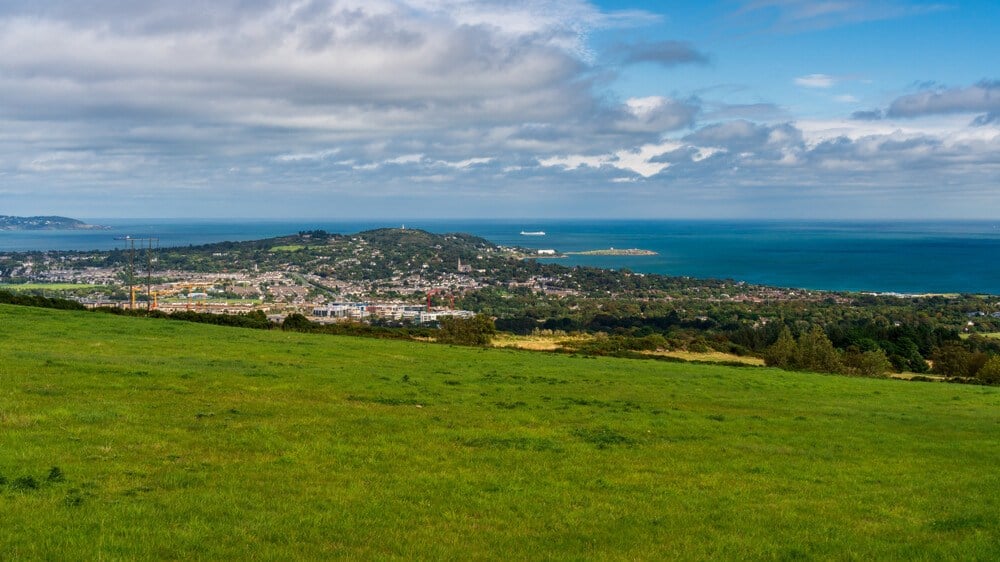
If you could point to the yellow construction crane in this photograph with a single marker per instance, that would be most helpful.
(178, 288)
(131, 266)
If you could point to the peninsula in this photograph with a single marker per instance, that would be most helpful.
(8, 222)
(614, 252)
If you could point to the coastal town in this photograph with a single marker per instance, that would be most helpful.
(398, 278)
(388, 276)
(418, 296)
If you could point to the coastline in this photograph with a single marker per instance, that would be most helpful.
(857, 256)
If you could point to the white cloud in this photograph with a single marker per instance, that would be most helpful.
(645, 160)
(467, 163)
(367, 98)
(795, 16)
(347, 67)
(81, 162)
(981, 97)
(306, 156)
(405, 159)
(706, 152)
(574, 162)
(816, 81)
(656, 114)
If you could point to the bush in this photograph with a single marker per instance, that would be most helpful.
(990, 372)
(783, 353)
(7, 297)
(297, 323)
(952, 360)
(867, 363)
(478, 330)
(816, 353)
(812, 352)
(698, 346)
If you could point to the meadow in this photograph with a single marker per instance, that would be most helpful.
(135, 438)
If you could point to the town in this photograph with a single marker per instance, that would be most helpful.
(135, 279)
(389, 275)
(397, 278)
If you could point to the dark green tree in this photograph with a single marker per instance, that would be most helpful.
(784, 352)
(873, 363)
(952, 360)
(478, 330)
(816, 353)
(990, 372)
(297, 323)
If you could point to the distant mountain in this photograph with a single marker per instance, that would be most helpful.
(46, 223)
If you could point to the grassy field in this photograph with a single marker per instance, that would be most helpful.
(555, 342)
(710, 357)
(188, 441)
(538, 343)
(991, 335)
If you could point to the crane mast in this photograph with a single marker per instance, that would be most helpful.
(148, 243)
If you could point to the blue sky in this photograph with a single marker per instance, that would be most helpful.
(482, 108)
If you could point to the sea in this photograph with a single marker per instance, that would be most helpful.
(907, 257)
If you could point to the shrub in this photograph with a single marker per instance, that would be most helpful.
(952, 360)
(297, 323)
(816, 353)
(812, 352)
(990, 371)
(478, 330)
(867, 364)
(698, 346)
(7, 297)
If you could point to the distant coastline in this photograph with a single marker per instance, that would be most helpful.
(871, 256)
(8, 222)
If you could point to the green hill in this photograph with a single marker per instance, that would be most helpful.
(187, 441)
(8, 222)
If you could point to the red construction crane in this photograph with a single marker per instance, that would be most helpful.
(432, 292)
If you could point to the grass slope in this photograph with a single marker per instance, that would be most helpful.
(190, 441)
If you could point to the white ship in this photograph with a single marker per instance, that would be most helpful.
(533, 233)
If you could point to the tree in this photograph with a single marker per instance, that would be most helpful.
(816, 353)
(867, 363)
(990, 372)
(297, 323)
(783, 352)
(952, 360)
(478, 330)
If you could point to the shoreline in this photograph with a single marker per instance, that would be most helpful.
(774, 253)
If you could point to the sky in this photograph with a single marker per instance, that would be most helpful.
(822, 109)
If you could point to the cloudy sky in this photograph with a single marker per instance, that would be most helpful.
(489, 108)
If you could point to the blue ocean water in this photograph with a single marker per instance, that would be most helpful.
(883, 256)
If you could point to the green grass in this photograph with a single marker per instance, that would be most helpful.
(991, 335)
(287, 248)
(189, 441)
